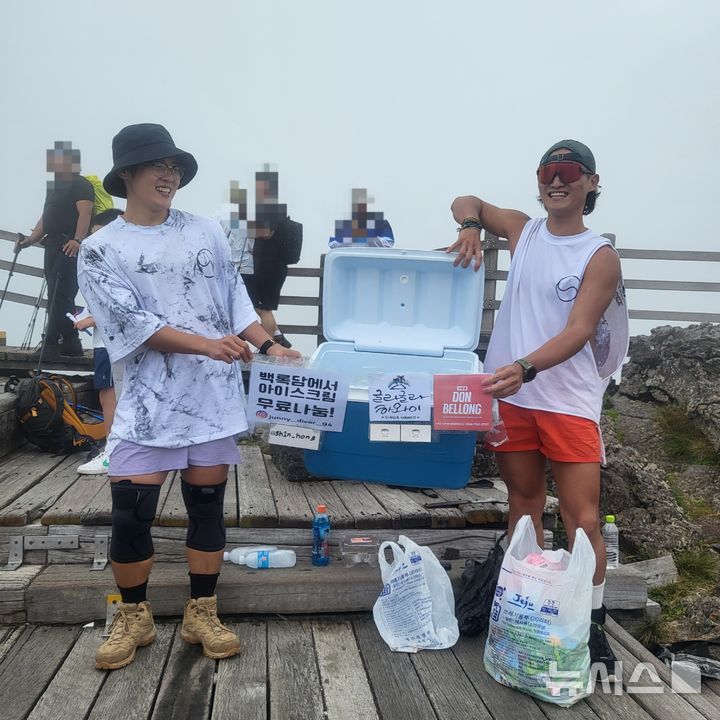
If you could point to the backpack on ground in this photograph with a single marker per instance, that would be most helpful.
(103, 199)
(48, 419)
(291, 239)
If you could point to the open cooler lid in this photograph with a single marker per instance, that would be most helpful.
(411, 302)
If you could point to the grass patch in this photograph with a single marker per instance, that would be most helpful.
(652, 630)
(614, 417)
(677, 493)
(697, 566)
(698, 508)
(683, 441)
(694, 508)
(698, 571)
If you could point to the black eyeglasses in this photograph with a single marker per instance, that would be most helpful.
(160, 168)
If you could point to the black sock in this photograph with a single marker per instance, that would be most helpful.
(135, 594)
(202, 585)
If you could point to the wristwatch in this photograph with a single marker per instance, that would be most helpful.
(529, 370)
(263, 349)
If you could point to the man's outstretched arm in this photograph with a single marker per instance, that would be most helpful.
(499, 221)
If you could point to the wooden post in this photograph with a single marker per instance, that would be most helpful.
(320, 336)
(490, 258)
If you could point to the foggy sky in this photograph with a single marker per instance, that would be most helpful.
(417, 101)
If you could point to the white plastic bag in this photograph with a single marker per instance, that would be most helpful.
(540, 619)
(416, 608)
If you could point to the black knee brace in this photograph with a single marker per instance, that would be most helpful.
(206, 525)
(133, 512)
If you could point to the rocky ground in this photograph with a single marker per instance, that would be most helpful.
(662, 427)
(694, 489)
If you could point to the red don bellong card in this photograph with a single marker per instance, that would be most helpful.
(461, 403)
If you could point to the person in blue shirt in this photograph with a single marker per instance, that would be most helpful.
(363, 229)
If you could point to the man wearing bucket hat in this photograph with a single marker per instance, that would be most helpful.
(560, 333)
(174, 314)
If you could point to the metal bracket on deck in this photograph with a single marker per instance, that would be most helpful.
(100, 557)
(19, 543)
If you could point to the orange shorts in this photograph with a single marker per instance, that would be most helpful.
(563, 438)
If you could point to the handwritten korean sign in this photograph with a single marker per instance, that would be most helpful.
(400, 397)
(297, 396)
(460, 403)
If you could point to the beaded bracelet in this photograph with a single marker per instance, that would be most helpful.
(465, 225)
(470, 219)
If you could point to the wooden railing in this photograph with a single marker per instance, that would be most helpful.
(493, 246)
(296, 300)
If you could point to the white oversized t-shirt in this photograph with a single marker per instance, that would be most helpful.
(137, 280)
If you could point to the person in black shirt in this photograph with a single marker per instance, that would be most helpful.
(270, 268)
(64, 223)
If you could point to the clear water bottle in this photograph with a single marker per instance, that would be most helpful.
(237, 555)
(321, 531)
(270, 559)
(611, 536)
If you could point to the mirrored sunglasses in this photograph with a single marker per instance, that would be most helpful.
(568, 172)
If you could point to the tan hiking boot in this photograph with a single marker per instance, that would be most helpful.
(202, 626)
(132, 627)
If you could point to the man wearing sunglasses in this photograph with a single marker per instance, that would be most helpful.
(174, 314)
(560, 333)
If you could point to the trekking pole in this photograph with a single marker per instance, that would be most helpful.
(27, 340)
(47, 316)
(21, 237)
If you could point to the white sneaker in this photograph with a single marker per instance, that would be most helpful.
(97, 466)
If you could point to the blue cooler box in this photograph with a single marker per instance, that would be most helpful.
(396, 311)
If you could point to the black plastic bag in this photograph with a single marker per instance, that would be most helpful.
(703, 654)
(479, 580)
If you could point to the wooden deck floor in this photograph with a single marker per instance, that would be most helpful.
(334, 667)
(329, 668)
(37, 487)
(42, 498)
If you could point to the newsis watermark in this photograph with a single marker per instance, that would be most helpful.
(685, 679)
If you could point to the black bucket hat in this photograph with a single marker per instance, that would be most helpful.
(578, 152)
(144, 142)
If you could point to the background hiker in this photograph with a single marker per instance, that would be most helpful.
(233, 220)
(64, 223)
(103, 380)
(269, 230)
(364, 228)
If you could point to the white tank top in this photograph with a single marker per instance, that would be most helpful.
(545, 274)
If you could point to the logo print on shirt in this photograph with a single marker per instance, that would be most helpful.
(142, 267)
(205, 264)
(567, 288)
(620, 295)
